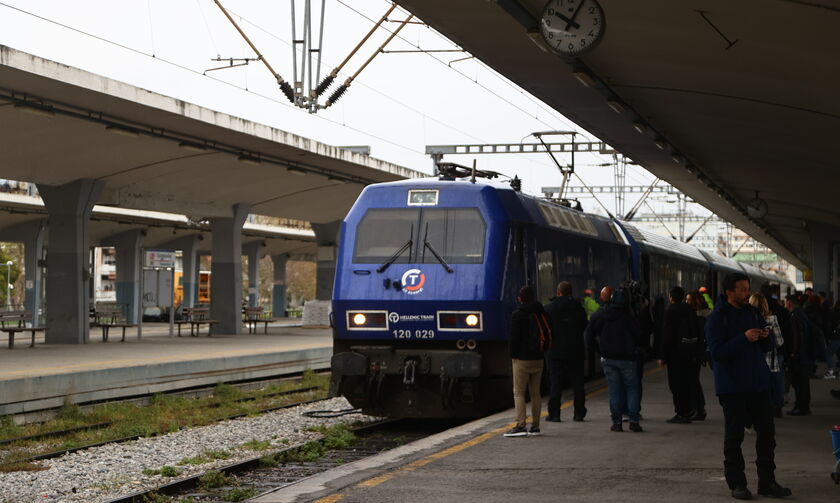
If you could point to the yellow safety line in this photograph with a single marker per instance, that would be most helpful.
(375, 481)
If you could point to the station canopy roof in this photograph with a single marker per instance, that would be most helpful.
(59, 124)
(759, 115)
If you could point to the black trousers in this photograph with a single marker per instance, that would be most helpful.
(801, 382)
(739, 410)
(698, 399)
(683, 376)
(566, 370)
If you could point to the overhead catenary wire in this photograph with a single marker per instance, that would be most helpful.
(343, 87)
(284, 86)
(328, 80)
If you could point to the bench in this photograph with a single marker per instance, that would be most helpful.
(195, 317)
(110, 315)
(251, 316)
(18, 321)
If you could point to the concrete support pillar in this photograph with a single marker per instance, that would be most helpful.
(189, 265)
(326, 237)
(32, 234)
(278, 292)
(129, 246)
(68, 262)
(226, 286)
(254, 250)
(823, 239)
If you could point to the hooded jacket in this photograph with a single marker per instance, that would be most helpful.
(520, 328)
(614, 332)
(739, 365)
(568, 321)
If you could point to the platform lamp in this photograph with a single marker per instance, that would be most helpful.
(9, 284)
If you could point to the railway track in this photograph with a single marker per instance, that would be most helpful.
(261, 474)
(55, 454)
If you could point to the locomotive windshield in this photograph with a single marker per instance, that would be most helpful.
(456, 234)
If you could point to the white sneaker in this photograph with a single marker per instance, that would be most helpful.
(830, 374)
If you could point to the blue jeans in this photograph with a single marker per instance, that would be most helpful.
(623, 383)
(830, 352)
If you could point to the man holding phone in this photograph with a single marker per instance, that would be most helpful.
(738, 340)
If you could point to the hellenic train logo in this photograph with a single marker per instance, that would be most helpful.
(413, 281)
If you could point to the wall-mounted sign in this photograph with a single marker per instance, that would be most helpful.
(160, 259)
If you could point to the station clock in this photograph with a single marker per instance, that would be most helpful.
(572, 27)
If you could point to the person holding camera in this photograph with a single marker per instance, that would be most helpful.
(738, 342)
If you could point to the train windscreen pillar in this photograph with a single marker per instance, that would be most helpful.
(326, 237)
(226, 269)
(128, 245)
(68, 259)
(254, 250)
(278, 292)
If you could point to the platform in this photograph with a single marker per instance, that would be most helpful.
(583, 461)
(48, 375)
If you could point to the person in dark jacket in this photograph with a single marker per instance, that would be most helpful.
(798, 357)
(565, 358)
(528, 323)
(614, 332)
(738, 342)
(680, 353)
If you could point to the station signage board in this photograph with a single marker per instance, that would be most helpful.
(162, 259)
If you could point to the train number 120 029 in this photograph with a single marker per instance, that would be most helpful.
(414, 334)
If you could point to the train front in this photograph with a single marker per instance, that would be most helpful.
(420, 323)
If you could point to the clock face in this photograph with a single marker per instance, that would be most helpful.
(572, 27)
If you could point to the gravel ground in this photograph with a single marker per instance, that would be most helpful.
(110, 471)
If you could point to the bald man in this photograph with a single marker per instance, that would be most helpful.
(606, 294)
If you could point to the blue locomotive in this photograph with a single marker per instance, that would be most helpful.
(427, 276)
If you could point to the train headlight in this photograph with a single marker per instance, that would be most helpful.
(367, 320)
(460, 321)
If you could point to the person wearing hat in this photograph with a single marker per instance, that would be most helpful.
(590, 305)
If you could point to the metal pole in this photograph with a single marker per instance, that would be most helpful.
(142, 294)
(172, 306)
(9, 284)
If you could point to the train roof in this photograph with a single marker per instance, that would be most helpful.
(652, 242)
(721, 263)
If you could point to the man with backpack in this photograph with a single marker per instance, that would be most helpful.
(565, 358)
(799, 356)
(530, 338)
(614, 332)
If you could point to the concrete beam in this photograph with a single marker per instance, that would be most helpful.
(226, 280)
(68, 259)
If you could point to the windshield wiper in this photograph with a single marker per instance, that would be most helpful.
(428, 245)
(407, 246)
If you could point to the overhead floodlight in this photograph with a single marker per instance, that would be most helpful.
(584, 78)
(122, 130)
(640, 127)
(296, 171)
(616, 104)
(193, 147)
(249, 159)
(36, 109)
(661, 144)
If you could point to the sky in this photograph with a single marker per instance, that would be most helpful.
(399, 104)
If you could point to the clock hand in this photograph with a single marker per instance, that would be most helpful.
(574, 15)
(569, 21)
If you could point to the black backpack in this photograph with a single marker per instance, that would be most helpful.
(539, 332)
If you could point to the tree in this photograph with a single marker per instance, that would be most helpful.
(11, 252)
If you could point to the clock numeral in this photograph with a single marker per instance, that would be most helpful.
(592, 10)
(550, 12)
(571, 47)
(595, 21)
(591, 33)
(550, 35)
(583, 42)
